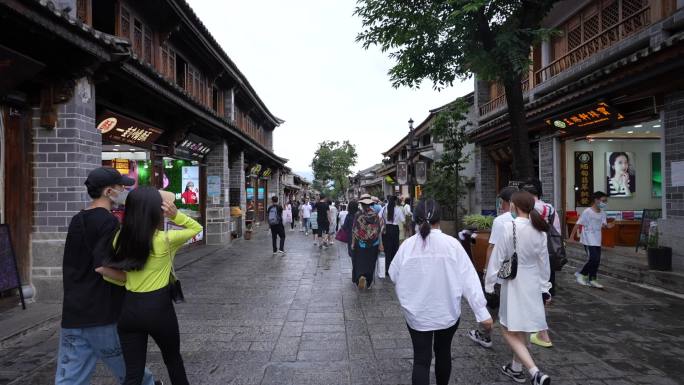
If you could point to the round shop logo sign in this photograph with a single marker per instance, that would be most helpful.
(107, 125)
(559, 123)
(584, 158)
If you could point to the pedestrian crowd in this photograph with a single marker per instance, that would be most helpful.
(120, 285)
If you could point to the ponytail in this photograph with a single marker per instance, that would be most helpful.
(425, 228)
(427, 213)
(538, 222)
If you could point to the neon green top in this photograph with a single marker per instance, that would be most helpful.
(155, 274)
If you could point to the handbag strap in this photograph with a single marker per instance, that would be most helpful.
(514, 239)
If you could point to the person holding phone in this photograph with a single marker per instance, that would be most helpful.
(143, 258)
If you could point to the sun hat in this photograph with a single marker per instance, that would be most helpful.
(365, 199)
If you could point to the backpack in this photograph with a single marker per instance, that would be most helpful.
(367, 227)
(273, 217)
(556, 246)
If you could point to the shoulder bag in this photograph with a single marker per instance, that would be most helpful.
(174, 283)
(509, 268)
(556, 246)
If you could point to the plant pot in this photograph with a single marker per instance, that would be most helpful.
(479, 250)
(248, 234)
(660, 258)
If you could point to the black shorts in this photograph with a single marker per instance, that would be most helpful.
(323, 228)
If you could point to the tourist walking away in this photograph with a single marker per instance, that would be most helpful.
(348, 222)
(522, 248)
(295, 213)
(287, 216)
(365, 243)
(146, 254)
(305, 213)
(313, 223)
(549, 215)
(391, 216)
(592, 220)
(431, 273)
(483, 337)
(323, 220)
(333, 217)
(408, 221)
(342, 215)
(276, 220)
(91, 305)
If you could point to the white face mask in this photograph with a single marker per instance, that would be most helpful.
(120, 197)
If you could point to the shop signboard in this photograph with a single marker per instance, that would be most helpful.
(584, 178)
(402, 172)
(599, 114)
(193, 147)
(656, 176)
(267, 173)
(190, 183)
(421, 172)
(122, 129)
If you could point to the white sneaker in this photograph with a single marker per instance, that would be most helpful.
(315, 243)
(594, 283)
(281, 252)
(581, 279)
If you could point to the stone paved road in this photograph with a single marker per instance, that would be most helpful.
(251, 318)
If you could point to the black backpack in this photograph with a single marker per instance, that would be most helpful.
(556, 246)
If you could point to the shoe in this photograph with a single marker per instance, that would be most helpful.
(362, 282)
(315, 243)
(281, 252)
(534, 338)
(581, 279)
(518, 377)
(275, 253)
(541, 379)
(480, 338)
(158, 382)
(594, 283)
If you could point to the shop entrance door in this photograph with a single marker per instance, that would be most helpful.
(17, 183)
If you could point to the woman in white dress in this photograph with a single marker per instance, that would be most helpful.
(521, 310)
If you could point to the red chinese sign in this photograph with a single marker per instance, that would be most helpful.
(121, 129)
(595, 115)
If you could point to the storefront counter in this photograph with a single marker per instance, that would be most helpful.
(625, 233)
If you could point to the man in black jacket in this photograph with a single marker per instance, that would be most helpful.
(275, 220)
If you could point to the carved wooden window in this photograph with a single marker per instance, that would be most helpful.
(140, 34)
(591, 27)
(84, 11)
(630, 7)
(610, 15)
(148, 45)
(574, 38)
(168, 61)
(125, 23)
(137, 38)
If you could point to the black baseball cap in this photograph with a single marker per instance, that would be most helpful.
(507, 192)
(107, 176)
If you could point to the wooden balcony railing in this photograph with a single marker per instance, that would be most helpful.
(611, 36)
(500, 101)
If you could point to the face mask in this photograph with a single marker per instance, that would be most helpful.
(603, 205)
(120, 197)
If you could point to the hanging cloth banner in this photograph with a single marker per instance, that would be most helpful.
(421, 172)
(402, 172)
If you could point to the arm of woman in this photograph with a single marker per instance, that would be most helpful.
(501, 250)
(113, 274)
(178, 237)
(544, 265)
(471, 286)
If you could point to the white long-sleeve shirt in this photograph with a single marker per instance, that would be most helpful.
(430, 278)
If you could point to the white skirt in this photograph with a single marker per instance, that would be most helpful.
(521, 308)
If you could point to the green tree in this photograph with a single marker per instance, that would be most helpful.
(332, 165)
(445, 40)
(446, 184)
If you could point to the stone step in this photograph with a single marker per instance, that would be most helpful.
(633, 268)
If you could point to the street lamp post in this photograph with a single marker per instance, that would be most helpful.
(409, 161)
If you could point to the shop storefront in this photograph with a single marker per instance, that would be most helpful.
(605, 150)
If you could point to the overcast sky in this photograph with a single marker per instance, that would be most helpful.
(302, 59)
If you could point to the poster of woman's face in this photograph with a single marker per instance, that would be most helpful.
(621, 176)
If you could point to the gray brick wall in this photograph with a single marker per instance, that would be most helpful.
(62, 158)
(218, 208)
(546, 166)
(673, 131)
(485, 179)
(237, 182)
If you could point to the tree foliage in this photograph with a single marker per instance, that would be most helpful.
(446, 184)
(332, 165)
(445, 40)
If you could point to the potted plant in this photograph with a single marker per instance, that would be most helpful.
(482, 224)
(659, 257)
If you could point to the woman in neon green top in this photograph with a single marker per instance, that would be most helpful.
(146, 255)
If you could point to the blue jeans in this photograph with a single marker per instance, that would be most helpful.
(306, 224)
(79, 350)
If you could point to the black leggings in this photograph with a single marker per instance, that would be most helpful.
(390, 242)
(422, 355)
(278, 231)
(150, 314)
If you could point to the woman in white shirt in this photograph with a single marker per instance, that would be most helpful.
(521, 308)
(392, 216)
(431, 272)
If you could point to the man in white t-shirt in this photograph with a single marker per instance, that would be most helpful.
(592, 220)
(482, 336)
(305, 214)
